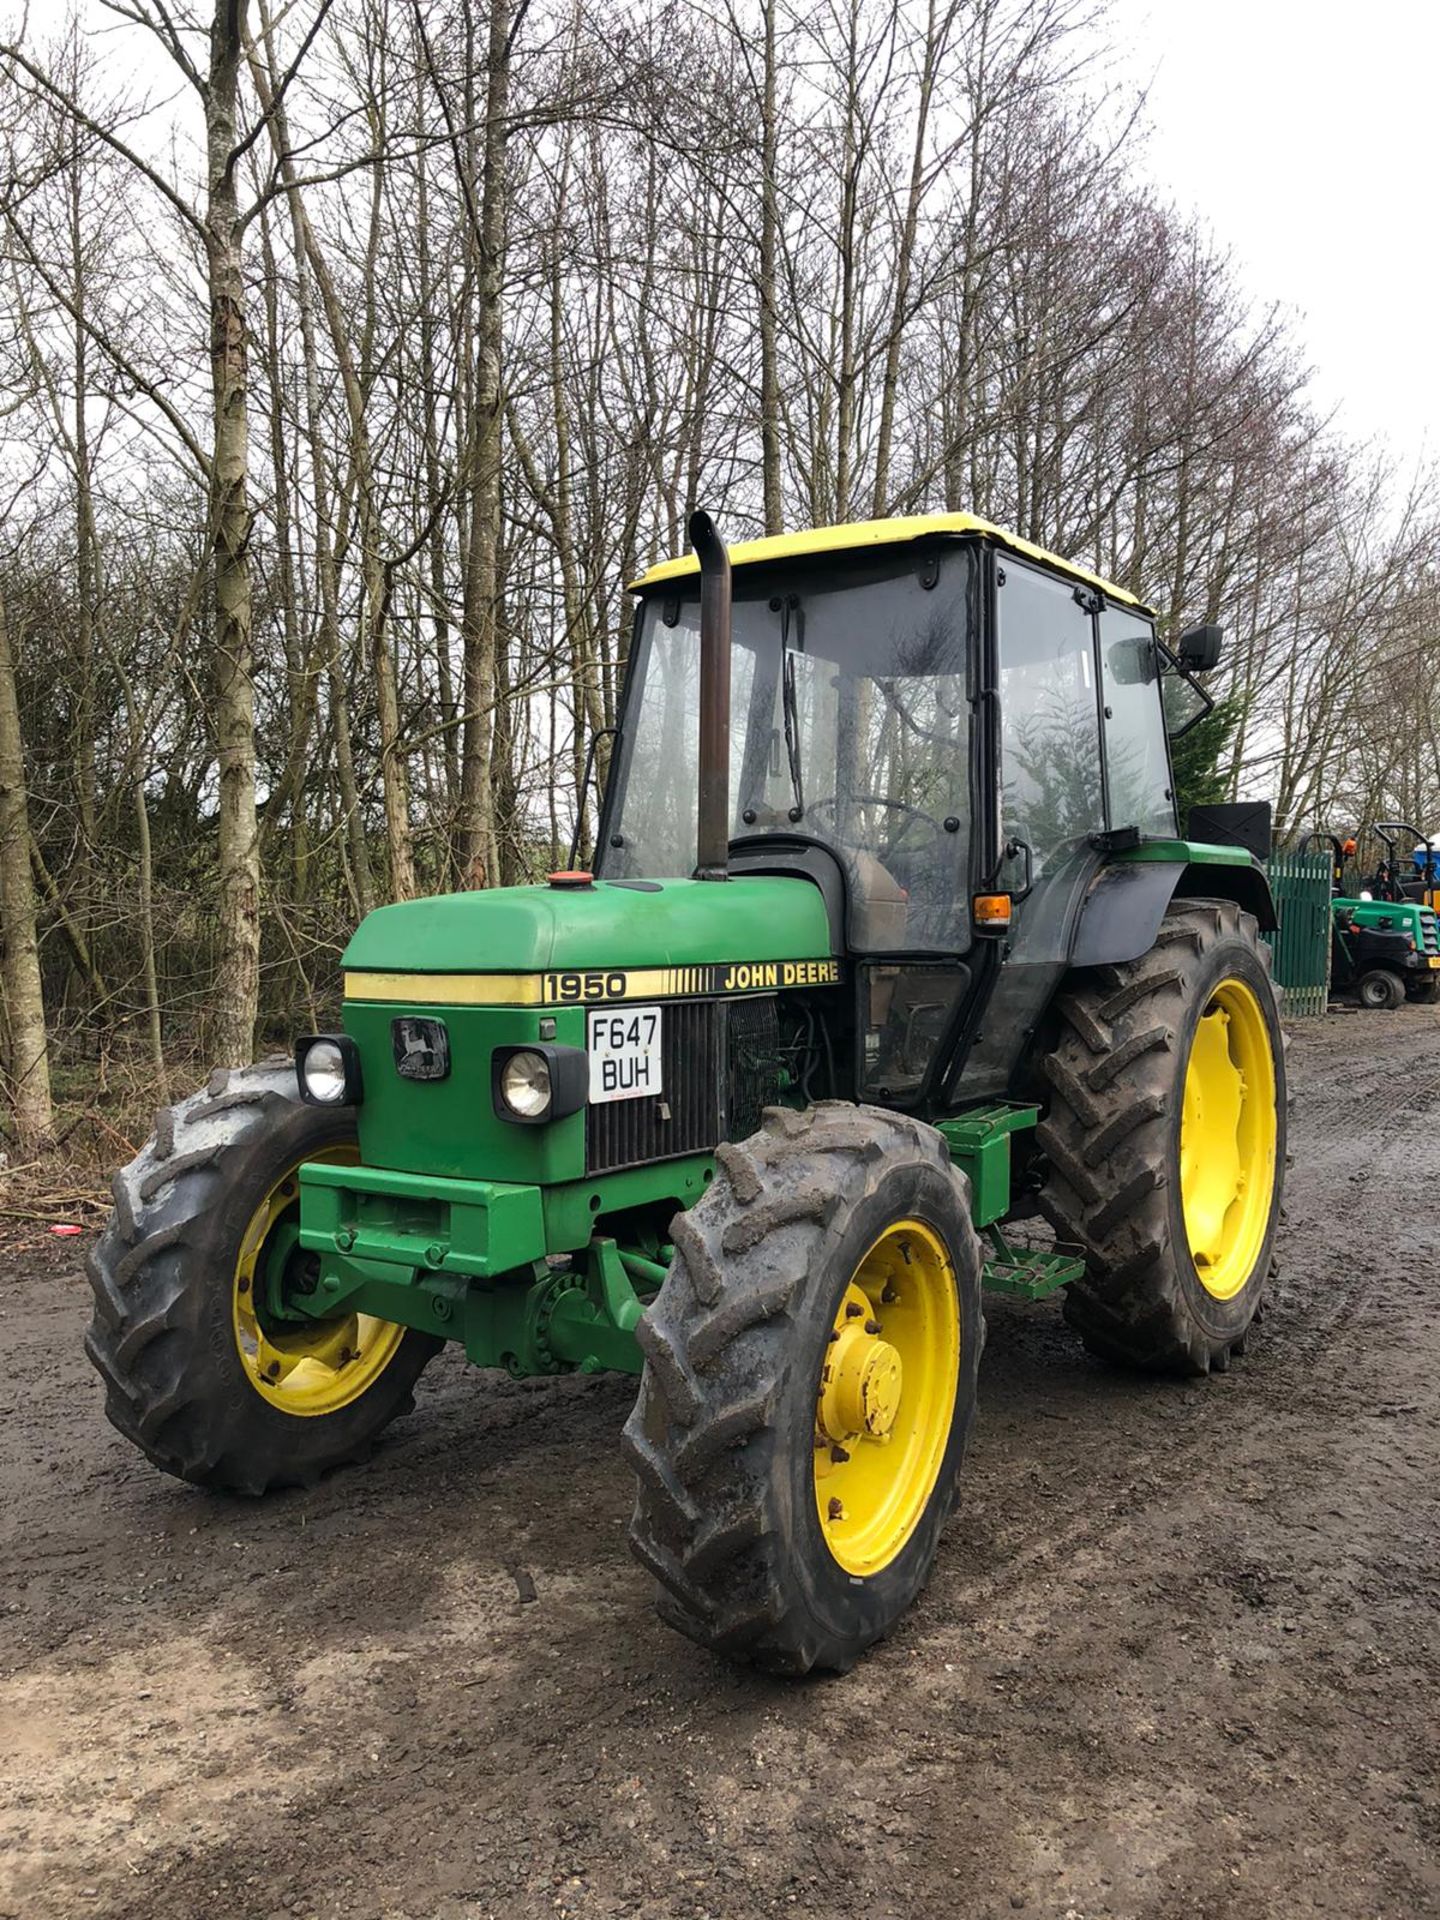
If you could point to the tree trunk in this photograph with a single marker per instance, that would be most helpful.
(87, 581)
(29, 1064)
(479, 617)
(153, 1027)
(936, 36)
(769, 238)
(237, 985)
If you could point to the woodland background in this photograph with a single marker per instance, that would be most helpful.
(353, 354)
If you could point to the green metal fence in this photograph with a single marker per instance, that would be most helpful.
(1300, 883)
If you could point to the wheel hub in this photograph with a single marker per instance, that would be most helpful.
(862, 1379)
(885, 1399)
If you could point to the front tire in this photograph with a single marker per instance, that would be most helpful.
(1380, 991)
(1165, 1142)
(198, 1372)
(809, 1385)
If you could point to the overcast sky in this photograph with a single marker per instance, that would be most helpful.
(1307, 136)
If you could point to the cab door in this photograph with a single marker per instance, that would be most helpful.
(1050, 778)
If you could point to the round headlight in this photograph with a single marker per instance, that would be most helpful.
(525, 1084)
(323, 1071)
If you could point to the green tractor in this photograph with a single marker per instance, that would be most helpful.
(890, 942)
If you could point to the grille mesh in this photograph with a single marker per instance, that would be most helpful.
(753, 1068)
(686, 1117)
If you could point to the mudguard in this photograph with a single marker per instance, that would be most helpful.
(1121, 914)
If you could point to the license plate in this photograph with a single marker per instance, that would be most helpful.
(624, 1053)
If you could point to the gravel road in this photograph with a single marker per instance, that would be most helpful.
(1180, 1656)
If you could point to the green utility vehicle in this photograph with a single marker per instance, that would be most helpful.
(891, 943)
(1385, 934)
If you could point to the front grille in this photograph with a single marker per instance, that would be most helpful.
(752, 1076)
(1429, 931)
(686, 1117)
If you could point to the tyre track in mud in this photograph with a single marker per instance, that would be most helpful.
(1178, 1659)
(1300, 1321)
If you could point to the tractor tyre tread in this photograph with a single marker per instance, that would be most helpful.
(157, 1336)
(719, 1344)
(1114, 1078)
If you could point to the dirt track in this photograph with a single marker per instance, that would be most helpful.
(1180, 1656)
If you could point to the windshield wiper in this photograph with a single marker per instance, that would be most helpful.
(790, 709)
(792, 734)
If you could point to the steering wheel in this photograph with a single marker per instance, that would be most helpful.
(831, 804)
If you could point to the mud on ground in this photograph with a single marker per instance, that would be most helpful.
(1180, 1655)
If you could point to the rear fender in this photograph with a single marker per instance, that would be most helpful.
(1121, 914)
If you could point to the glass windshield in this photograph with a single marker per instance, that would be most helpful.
(850, 725)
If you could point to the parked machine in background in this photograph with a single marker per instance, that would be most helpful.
(1398, 878)
(1385, 934)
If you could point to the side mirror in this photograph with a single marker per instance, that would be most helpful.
(1199, 649)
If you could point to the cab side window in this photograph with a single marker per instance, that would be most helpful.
(1050, 781)
(1136, 763)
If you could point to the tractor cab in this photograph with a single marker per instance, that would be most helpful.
(946, 731)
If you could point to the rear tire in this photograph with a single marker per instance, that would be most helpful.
(166, 1275)
(1120, 1088)
(726, 1439)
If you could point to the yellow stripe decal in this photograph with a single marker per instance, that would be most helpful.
(447, 989)
(591, 986)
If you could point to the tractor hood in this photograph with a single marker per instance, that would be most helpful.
(523, 937)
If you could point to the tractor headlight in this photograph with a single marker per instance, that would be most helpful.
(327, 1067)
(534, 1084)
(525, 1084)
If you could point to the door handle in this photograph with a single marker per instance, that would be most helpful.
(1014, 847)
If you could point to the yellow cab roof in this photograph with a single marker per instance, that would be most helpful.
(857, 535)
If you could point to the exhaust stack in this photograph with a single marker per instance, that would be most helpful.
(712, 853)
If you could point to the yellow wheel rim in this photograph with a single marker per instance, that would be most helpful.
(312, 1369)
(886, 1398)
(1228, 1139)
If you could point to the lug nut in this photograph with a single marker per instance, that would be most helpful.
(851, 1309)
(836, 1509)
(872, 1326)
(839, 1455)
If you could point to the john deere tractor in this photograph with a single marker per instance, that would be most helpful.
(890, 942)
